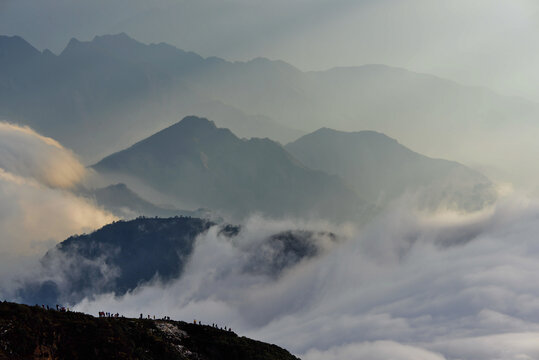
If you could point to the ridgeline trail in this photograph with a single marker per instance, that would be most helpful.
(31, 332)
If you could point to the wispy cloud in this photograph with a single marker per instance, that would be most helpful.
(393, 289)
(37, 209)
(25, 153)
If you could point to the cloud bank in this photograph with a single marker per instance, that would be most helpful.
(378, 350)
(36, 208)
(407, 286)
(25, 153)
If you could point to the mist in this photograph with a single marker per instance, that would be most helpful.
(480, 43)
(408, 285)
(402, 134)
(37, 208)
(146, 87)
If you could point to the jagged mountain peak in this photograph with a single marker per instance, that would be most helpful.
(122, 46)
(111, 43)
(71, 46)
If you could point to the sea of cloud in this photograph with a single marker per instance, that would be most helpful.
(409, 285)
(37, 207)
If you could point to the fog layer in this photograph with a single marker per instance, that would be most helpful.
(407, 286)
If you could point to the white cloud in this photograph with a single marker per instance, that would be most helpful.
(378, 350)
(25, 153)
(36, 209)
(507, 346)
(394, 288)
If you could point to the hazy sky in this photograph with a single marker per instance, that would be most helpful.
(477, 42)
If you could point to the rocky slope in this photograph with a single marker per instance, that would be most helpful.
(30, 332)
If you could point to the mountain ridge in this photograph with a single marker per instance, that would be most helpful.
(381, 169)
(205, 166)
(31, 332)
(131, 82)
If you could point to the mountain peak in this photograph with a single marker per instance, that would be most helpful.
(73, 42)
(72, 46)
(193, 121)
(109, 43)
(380, 169)
(189, 126)
(16, 48)
(118, 36)
(273, 64)
(363, 134)
(201, 165)
(120, 39)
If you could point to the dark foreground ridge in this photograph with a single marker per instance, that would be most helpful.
(30, 332)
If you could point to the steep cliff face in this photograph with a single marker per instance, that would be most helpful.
(30, 332)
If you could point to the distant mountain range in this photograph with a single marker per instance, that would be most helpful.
(99, 96)
(380, 169)
(125, 254)
(200, 165)
(327, 174)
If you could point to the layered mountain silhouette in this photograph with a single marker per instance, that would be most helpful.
(327, 174)
(99, 96)
(126, 254)
(380, 169)
(201, 165)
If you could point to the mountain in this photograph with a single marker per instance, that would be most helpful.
(200, 165)
(126, 254)
(115, 258)
(31, 332)
(380, 169)
(99, 96)
(13, 49)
